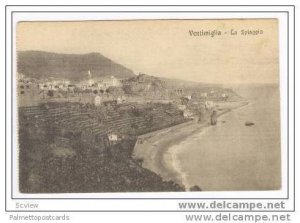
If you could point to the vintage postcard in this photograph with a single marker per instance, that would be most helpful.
(148, 106)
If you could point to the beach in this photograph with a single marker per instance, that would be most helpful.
(229, 156)
(159, 152)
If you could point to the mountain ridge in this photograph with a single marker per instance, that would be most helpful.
(74, 67)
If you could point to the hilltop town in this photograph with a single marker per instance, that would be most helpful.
(78, 135)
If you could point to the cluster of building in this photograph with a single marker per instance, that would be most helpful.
(98, 84)
(202, 94)
(204, 99)
(187, 110)
(52, 84)
(93, 91)
(32, 91)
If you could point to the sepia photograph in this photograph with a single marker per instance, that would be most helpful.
(165, 105)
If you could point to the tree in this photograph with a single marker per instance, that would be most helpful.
(195, 188)
(50, 93)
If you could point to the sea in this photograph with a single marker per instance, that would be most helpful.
(232, 156)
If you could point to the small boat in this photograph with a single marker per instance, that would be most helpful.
(249, 123)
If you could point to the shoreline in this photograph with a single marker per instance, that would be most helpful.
(159, 152)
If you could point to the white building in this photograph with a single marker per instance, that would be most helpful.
(112, 137)
(63, 87)
(51, 87)
(187, 114)
(41, 86)
(99, 85)
(97, 100)
(181, 107)
(119, 100)
(189, 97)
(204, 94)
(111, 82)
(209, 104)
(115, 81)
(90, 81)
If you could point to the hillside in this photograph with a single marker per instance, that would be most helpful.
(39, 64)
(145, 85)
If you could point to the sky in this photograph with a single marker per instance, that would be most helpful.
(165, 48)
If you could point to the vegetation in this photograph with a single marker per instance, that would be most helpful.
(56, 157)
(87, 171)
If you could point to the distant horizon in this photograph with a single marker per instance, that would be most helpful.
(173, 49)
(137, 73)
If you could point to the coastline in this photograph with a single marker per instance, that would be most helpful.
(159, 152)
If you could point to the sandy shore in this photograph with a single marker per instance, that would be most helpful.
(156, 151)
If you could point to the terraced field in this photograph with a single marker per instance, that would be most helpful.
(64, 147)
